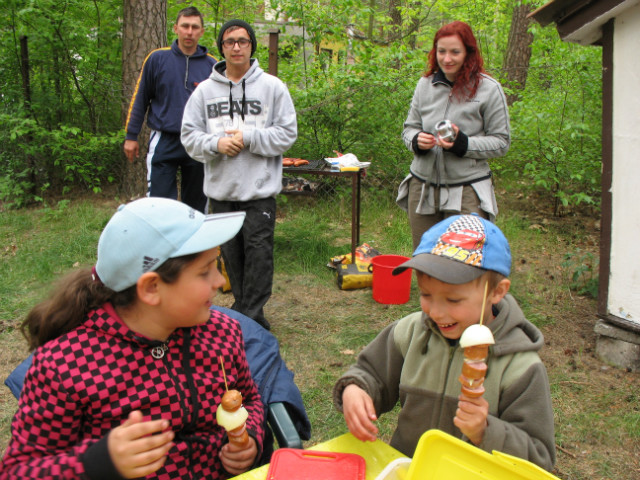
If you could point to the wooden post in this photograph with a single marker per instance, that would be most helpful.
(273, 51)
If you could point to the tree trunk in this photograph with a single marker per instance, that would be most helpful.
(26, 92)
(395, 32)
(518, 53)
(395, 15)
(144, 29)
(372, 6)
(24, 72)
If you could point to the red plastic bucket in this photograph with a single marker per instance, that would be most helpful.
(389, 289)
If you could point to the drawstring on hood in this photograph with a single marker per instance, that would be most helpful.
(188, 433)
(244, 99)
(269, 129)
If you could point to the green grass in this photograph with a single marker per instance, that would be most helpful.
(40, 245)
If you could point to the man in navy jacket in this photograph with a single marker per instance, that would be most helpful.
(167, 78)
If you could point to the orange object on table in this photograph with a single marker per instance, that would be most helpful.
(294, 162)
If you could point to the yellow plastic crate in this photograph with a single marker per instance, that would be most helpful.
(441, 456)
(377, 456)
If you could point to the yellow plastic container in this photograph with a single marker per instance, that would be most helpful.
(442, 456)
(377, 456)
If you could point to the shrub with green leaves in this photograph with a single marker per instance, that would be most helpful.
(556, 128)
(36, 160)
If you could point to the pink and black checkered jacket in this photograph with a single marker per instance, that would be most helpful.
(85, 383)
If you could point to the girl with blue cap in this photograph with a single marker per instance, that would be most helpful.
(130, 363)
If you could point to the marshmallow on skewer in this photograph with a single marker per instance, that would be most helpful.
(475, 341)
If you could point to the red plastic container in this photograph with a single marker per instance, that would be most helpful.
(292, 464)
(386, 288)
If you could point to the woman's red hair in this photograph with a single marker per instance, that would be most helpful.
(468, 77)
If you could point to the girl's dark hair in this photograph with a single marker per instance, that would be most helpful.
(77, 294)
(468, 78)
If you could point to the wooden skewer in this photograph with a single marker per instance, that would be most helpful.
(224, 375)
(484, 300)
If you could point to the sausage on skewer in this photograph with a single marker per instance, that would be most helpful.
(475, 341)
(232, 416)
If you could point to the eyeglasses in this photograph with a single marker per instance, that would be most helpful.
(242, 42)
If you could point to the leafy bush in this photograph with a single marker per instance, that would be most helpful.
(358, 108)
(351, 92)
(36, 160)
(556, 129)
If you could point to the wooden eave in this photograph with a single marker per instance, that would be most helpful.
(580, 21)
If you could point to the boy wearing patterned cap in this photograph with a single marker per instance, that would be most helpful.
(417, 360)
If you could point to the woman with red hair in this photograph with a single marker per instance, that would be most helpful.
(458, 119)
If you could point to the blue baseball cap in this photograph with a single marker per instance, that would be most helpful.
(459, 249)
(145, 233)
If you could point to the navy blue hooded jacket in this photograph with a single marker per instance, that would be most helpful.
(167, 79)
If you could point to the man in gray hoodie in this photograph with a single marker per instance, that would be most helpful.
(238, 123)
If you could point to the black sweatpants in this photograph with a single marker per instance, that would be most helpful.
(248, 257)
(167, 155)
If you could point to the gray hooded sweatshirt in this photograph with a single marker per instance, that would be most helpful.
(259, 105)
(411, 362)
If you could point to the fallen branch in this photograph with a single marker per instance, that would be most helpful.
(564, 450)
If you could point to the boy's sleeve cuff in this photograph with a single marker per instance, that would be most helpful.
(339, 387)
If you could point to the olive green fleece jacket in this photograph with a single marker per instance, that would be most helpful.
(411, 362)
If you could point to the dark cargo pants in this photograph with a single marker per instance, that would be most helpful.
(248, 257)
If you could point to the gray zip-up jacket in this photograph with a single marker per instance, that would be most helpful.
(411, 362)
(260, 106)
(483, 121)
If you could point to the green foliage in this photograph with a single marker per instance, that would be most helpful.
(355, 108)
(556, 129)
(583, 269)
(35, 160)
(215, 13)
(74, 51)
(359, 106)
(351, 91)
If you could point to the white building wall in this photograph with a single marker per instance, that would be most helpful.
(624, 284)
